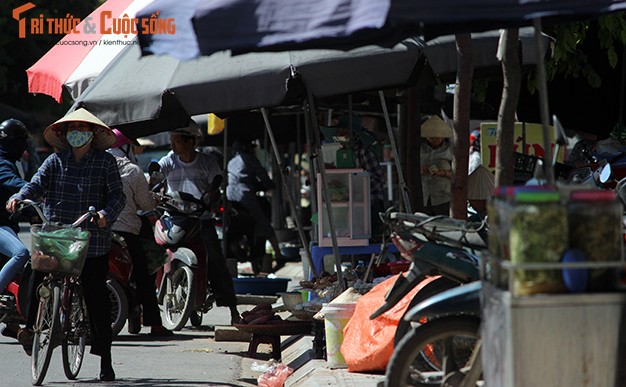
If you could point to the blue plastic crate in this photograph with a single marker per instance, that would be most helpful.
(260, 285)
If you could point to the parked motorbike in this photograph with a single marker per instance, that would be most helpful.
(435, 245)
(183, 286)
(443, 348)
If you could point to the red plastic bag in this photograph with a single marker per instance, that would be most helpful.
(275, 377)
(368, 344)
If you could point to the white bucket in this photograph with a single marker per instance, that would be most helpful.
(336, 316)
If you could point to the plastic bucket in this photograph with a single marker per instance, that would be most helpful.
(336, 316)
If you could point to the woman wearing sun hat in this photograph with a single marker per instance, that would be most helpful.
(436, 163)
(81, 174)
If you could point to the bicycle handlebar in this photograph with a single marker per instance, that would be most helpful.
(90, 214)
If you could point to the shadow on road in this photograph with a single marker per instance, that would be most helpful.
(145, 382)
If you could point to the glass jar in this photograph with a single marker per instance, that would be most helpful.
(538, 233)
(595, 228)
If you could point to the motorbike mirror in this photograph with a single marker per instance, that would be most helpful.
(605, 174)
(580, 175)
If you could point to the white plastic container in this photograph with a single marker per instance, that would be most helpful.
(336, 316)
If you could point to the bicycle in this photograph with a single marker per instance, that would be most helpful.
(59, 250)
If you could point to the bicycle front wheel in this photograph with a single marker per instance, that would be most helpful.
(45, 329)
(76, 329)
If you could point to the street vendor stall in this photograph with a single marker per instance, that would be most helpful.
(160, 92)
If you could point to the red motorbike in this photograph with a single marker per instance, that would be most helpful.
(121, 290)
(14, 301)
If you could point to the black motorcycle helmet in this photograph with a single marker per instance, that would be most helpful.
(13, 137)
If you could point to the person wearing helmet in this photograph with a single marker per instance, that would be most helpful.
(128, 225)
(197, 173)
(474, 151)
(13, 140)
(81, 174)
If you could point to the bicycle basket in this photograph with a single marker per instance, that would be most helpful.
(68, 246)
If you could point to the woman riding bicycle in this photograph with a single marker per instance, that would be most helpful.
(70, 181)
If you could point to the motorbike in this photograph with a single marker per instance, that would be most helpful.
(15, 301)
(443, 348)
(182, 284)
(119, 285)
(435, 245)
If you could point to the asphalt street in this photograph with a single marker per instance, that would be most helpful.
(190, 358)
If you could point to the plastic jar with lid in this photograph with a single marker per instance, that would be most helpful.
(538, 233)
(498, 208)
(595, 228)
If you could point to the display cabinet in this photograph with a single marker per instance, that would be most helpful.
(349, 191)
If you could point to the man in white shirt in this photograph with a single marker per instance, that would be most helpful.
(193, 172)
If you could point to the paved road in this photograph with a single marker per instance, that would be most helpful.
(191, 358)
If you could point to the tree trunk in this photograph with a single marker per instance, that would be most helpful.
(511, 72)
(460, 140)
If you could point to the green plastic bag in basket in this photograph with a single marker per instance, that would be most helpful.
(68, 243)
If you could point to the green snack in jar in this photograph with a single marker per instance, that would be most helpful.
(595, 226)
(538, 233)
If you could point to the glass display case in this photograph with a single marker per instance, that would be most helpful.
(349, 191)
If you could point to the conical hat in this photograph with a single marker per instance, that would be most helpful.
(480, 184)
(435, 127)
(103, 136)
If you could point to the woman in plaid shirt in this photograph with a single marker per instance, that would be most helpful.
(70, 181)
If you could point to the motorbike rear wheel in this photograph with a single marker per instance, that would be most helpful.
(119, 306)
(419, 357)
(437, 286)
(46, 327)
(76, 328)
(180, 289)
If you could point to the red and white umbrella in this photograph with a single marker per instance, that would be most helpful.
(79, 57)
